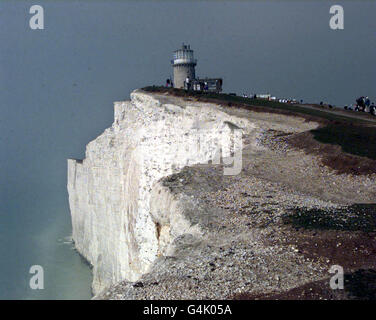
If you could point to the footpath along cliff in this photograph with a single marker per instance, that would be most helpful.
(188, 199)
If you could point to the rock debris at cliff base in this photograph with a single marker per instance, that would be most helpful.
(246, 250)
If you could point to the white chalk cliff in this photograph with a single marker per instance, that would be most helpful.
(110, 191)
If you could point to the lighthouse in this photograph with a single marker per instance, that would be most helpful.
(184, 65)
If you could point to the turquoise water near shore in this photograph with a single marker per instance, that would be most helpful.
(57, 86)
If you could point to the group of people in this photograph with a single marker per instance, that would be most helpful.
(169, 83)
(363, 104)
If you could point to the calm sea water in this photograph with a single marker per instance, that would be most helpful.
(57, 86)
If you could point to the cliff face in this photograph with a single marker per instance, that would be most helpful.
(110, 191)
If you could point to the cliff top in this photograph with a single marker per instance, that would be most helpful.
(318, 113)
(345, 142)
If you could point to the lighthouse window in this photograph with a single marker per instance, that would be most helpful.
(183, 54)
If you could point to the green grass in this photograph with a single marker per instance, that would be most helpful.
(356, 140)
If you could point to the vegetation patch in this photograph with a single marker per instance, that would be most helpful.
(358, 217)
(361, 284)
(356, 140)
(330, 143)
(358, 285)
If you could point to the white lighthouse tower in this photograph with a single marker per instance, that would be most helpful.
(184, 65)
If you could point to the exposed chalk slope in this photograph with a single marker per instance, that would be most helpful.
(110, 190)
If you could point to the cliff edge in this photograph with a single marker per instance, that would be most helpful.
(109, 191)
(163, 207)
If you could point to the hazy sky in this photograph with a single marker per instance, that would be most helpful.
(58, 84)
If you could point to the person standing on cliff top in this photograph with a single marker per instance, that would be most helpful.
(372, 109)
(187, 81)
(359, 104)
(367, 103)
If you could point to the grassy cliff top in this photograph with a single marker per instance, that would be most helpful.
(346, 143)
(318, 113)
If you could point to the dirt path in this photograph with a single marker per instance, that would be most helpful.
(351, 114)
